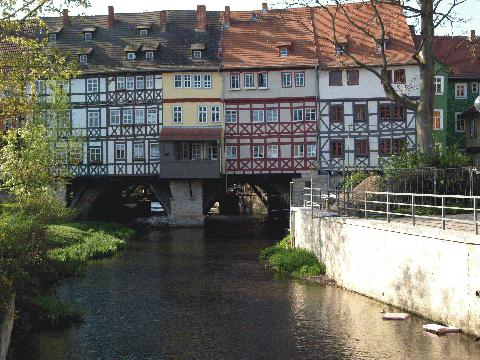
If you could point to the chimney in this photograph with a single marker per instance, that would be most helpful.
(201, 18)
(163, 21)
(471, 37)
(66, 19)
(111, 16)
(226, 17)
(264, 8)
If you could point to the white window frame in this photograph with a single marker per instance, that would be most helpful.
(256, 117)
(207, 81)
(440, 111)
(154, 151)
(258, 151)
(231, 116)
(211, 150)
(298, 150)
(457, 114)
(310, 114)
(52, 37)
(152, 115)
(83, 59)
(234, 81)
(475, 86)
(270, 118)
(286, 79)
(311, 150)
(197, 151)
(130, 83)
(139, 151)
(143, 32)
(93, 118)
(177, 81)
(120, 83)
(149, 55)
(197, 81)
(300, 79)
(438, 81)
(87, 35)
(149, 82)
(92, 85)
(115, 117)
(131, 55)
(95, 154)
(272, 151)
(283, 51)
(465, 88)
(202, 114)
(262, 74)
(140, 116)
(120, 148)
(297, 111)
(177, 114)
(127, 116)
(231, 152)
(187, 81)
(215, 114)
(197, 54)
(140, 83)
(249, 80)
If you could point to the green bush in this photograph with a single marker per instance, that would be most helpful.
(48, 311)
(311, 270)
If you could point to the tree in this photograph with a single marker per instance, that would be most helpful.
(428, 13)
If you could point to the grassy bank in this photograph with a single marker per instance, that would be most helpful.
(297, 262)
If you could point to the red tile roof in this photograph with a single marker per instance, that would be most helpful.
(400, 47)
(460, 55)
(254, 42)
(194, 134)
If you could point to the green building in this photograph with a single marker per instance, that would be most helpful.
(456, 86)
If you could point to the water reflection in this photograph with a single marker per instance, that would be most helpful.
(194, 294)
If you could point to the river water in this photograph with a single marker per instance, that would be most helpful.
(202, 294)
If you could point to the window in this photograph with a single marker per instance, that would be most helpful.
(120, 83)
(83, 59)
(143, 32)
(258, 116)
(335, 78)
(230, 116)
(437, 119)
(399, 76)
(92, 85)
(197, 81)
(272, 115)
(398, 145)
(283, 51)
(353, 77)
(140, 83)
(197, 54)
(461, 90)
(361, 148)
(336, 113)
(127, 116)
(149, 82)
(139, 151)
(187, 81)
(177, 81)
(149, 55)
(154, 151)
(182, 151)
(211, 151)
(438, 85)
(207, 81)
(337, 148)
(360, 112)
(385, 112)
(139, 116)
(130, 83)
(298, 150)
(312, 150)
(310, 114)
(262, 80)
(473, 128)
(459, 123)
(120, 151)
(93, 119)
(177, 114)
(114, 117)
(131, 56)
(299, 79)
(286, 79)
(475, 88)
(398, 113)
(95, 155)
(340, 49)
(87, 36)
(152, 116)
(234, 81)
(215, 116)
(387, 145)
(272, 151)
(40, 87)
(230, 152)
(197, 151)
(52, 37)
(249, 80)
(297, 114)
(202, 114)
(258, 151)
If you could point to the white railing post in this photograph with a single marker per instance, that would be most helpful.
(475, 214)
(365, 199)
(443, 212)
(388, 207)
(413, 209)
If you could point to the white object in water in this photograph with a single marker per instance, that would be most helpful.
(395, 316)
(155, 206)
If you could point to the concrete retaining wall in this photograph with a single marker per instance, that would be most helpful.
(424, 270)
(6, 326)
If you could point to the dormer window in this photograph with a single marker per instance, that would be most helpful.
(83, 59)
(149, 50)
(52, 33)
(143, 29)
(83, 55)
(131, 51)
(197, 54)
(143, 32)
(284, 47)
(283, 51)
(131, 56)
(88, 33)
(87, 36)
(52, 37)
(381, 46)
(149, 55)
(197, 51)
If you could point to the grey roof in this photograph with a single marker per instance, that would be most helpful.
(174, 50)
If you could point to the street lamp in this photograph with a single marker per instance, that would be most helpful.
(477, 104)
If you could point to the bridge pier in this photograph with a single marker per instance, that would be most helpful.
(186, 203)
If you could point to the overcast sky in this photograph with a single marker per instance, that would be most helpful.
(100, 7)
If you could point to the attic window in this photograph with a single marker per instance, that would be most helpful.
(83, 54)
(197, 54)
(149, 55)
(340, 48)
(87, 36)
(381, 45)
(143, 32)
(131, 56)
(83, 59)
(52, 37)
(283, 51)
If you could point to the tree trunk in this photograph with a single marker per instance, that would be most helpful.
(425, 107)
